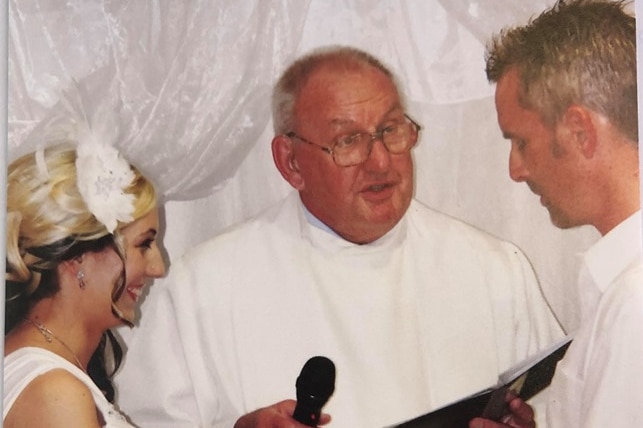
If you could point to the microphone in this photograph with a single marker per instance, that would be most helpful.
(315, 384)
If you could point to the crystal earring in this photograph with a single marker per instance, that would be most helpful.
(80, 276)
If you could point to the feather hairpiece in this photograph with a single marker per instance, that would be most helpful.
(103, 175)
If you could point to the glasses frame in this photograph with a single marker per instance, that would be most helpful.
(377, 135)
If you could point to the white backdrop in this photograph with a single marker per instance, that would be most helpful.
(189, 82)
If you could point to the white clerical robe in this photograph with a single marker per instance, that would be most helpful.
(429, 313)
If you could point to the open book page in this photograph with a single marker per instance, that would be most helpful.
(526, 379)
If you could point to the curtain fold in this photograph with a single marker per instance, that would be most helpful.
(183, 80)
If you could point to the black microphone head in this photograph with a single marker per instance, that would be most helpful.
(315, 384)
(317, 379)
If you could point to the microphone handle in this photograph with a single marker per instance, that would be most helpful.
(306, 413)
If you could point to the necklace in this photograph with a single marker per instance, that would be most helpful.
(49, 335)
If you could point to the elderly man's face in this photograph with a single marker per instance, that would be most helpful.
(363, 202)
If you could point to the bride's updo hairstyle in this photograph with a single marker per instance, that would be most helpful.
(49, 222)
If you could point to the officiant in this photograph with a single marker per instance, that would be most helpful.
(415, 308)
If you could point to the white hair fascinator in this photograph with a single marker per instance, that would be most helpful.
(102, 177)
(89, 114)
(102, 174)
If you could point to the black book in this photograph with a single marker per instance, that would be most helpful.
(525, 379)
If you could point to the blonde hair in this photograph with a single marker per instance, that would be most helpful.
(577, 52)
(47, 220)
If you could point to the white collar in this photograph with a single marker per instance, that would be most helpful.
(314, 221)
(331, 238)
(611, 254)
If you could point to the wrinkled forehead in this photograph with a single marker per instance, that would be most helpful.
(342, 93)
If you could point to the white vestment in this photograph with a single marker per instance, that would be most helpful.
(429, 313)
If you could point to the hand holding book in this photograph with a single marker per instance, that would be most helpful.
(525, 380)
(518, 414)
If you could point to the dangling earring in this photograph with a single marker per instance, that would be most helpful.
(80, 275)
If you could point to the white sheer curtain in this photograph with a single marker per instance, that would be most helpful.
(188, 83)
(185, 80)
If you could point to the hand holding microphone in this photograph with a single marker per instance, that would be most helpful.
(278, 415)
(315, 385)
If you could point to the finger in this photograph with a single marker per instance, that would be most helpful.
(324, 419)
(484, 423)
(287, 406)
(522, 412)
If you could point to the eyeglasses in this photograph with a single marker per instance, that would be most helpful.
(354, 149)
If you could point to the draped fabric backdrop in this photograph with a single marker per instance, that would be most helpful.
(183, 87)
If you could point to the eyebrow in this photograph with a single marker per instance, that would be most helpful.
(151, 231)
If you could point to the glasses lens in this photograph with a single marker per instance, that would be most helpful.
(351, 150)
(355, 149)
(400, 138)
